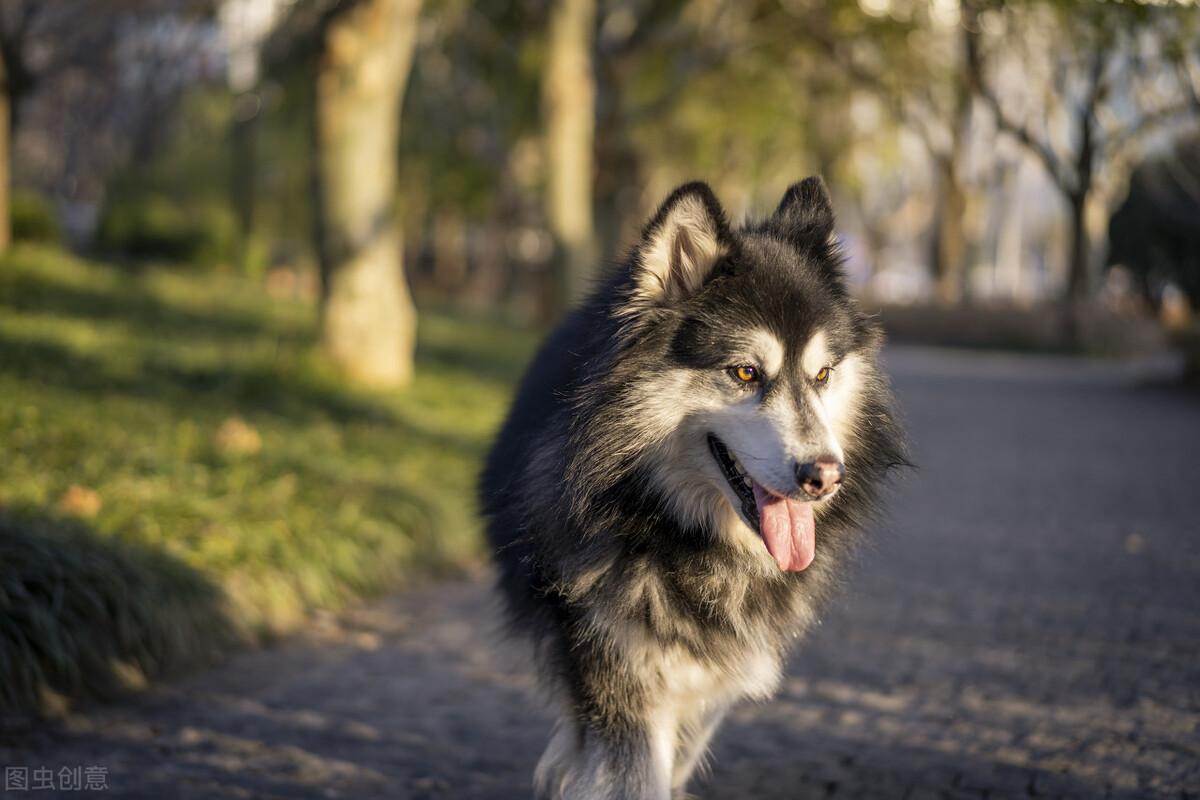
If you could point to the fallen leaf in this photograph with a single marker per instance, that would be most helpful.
(80, 501)
(235, 437)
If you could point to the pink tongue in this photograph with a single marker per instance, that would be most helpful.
(788, 529)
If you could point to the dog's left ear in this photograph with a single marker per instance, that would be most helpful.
(681, 245)
(805, 215)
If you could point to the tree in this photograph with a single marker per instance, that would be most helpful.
(1117, 73)
(569, 98)
(915, 68)
(17, 18)
(92, 82)
(364, 53)
(648, 53)
(246, 26)
(467, 193)
(18, 34)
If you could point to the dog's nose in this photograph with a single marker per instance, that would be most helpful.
(820, 478)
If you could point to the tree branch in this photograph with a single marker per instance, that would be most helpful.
(1058, 171)
(1065, 180)
(890, 96)
(1148, 122)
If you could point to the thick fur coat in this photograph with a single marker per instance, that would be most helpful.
(653, 591)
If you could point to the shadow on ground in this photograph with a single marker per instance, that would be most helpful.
(417, 698)
(1023, 624)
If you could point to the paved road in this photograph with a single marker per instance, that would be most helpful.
(1027, 623)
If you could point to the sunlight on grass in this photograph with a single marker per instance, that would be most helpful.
(192, 416)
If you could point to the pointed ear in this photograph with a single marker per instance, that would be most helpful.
(805, 215)
(681, 245)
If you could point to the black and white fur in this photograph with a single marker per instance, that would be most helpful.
(624, 551)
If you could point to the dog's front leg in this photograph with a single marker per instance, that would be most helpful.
(586, 762)
(616, 740)
(693, 744)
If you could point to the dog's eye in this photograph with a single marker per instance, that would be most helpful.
(823, 375)
(744, 373)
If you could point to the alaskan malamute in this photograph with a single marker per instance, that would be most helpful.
(686, 466)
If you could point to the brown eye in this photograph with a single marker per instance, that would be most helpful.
(744, 373)
(823, 375)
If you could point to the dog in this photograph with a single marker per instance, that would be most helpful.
(687, 463)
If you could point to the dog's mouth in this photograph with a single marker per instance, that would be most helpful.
(786, 525)
(739, 480)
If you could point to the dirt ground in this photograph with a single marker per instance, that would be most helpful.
(1025, 623)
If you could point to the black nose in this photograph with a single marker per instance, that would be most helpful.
(820, 478)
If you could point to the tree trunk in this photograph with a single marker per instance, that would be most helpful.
(569, 98)
(242, 181)
(1078, 254)
(368, 320)
(1078, 265)
(6, 131)
(617, 189)
(1077, 273)
(949, 240)
(950, 237)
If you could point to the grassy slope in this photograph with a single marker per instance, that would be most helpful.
(121, 384)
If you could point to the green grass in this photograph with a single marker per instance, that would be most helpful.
(120, 383)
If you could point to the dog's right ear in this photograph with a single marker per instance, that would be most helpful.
(680, 246)
(805, 215)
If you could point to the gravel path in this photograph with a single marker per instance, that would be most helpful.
(1026, 623)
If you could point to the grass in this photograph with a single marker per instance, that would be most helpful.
(180, 468)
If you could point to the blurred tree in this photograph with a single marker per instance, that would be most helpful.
(171, 203)
(87, 85)
(361, 53)
(695, 89)
(1115, 74)
(949, 251)
(12, 86)
(913, 62)
(648, 53)
(245, 27)
(472, 170)
(368, 317)
(18, 36)
(569, 97)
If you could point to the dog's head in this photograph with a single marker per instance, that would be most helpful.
(747, 367)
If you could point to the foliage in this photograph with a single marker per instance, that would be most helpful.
(143, 225)
(33, 219)
(212, 439)
(454, 155)
(175, 205)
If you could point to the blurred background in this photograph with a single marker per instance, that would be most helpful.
(994, 155)
(271, 267)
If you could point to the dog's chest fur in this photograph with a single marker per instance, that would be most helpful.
(700, 648)
(706, 621)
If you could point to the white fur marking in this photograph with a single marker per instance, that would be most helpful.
(841, 397)
(767, 351)
(815, 355)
